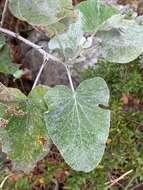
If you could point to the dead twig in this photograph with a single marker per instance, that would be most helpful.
(4, 12)
(118, 179)
(4, 181)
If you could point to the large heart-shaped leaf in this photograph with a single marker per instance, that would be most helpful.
(76, 123)
(121, 40)
(23, 133)
(41, 12)
(94, 14)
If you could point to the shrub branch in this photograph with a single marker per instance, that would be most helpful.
(46, 55)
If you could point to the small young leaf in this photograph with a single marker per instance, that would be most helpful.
(6, 65)
(69, 40)
(37, 97)
(77, 125)
(25, 136)
(121, 40)
(94, 14)
(18, 74)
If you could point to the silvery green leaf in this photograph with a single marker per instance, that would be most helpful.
(24, 138)
(121, 40)
(94, 14)
(77, 125)
(41, 12)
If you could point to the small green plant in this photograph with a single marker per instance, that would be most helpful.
(76, 120)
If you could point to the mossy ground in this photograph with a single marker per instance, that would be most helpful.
(124, 151)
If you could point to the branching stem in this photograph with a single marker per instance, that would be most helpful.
(29, 43)
(70, 79)
(46, 56)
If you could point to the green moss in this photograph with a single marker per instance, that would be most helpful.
(22, 184)
(121, 78)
